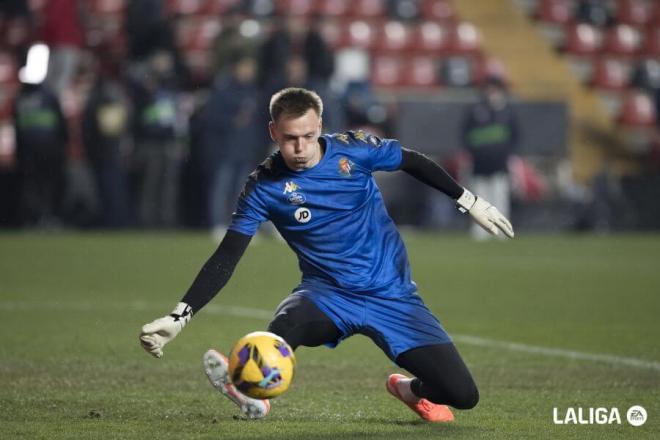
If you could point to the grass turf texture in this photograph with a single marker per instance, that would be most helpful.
(71, 307)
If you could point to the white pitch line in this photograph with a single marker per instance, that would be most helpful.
(251, 312)
(558, 352)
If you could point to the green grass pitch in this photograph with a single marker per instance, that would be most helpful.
(71, 306)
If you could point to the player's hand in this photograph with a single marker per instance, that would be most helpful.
(484, 214)
(156, 334)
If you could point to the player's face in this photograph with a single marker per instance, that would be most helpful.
(298, 139)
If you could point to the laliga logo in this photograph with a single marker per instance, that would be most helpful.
(636, 416)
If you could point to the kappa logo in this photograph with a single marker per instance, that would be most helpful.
(342, 137)
(290, 187)
(345, 167)
(302, 215)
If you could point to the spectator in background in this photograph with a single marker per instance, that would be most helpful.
(318, 55)
(290, 41)
(17, 23)
(228, 42)
(297, 75)
(104, 134)
(41, 143)
(490, 135)
(291, 37)
(149, 31)
(230, 138)
(63, 33)
(157, 153)
(646, 77)
(15, 9)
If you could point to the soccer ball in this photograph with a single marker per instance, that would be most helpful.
(261, 365)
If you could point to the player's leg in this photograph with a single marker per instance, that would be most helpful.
(406, 330)
(216, 367)
(300, 322)
(441, 376)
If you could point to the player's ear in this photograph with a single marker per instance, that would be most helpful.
(272, 130)
(320, 125)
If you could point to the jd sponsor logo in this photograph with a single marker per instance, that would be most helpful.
(636, 416)
(303, 215)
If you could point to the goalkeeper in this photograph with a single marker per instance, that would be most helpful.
(319, 192)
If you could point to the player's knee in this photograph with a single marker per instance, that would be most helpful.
(460, 397)
(466, 398)
(282, 326)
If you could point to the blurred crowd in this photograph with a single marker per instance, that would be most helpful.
(151, 146)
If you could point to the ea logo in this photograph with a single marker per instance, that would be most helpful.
(636, 415)
(303, 215)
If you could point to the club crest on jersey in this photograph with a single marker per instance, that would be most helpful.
(297, 198)
(290, 187)
(345, 167)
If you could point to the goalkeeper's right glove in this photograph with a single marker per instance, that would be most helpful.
(156, 334)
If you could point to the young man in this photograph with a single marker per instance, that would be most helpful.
(319, 192)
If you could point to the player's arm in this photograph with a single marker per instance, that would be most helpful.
(427, 171)
(209, 281)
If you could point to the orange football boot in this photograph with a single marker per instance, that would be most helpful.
(426, 409)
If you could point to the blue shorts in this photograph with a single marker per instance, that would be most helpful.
(396, 325)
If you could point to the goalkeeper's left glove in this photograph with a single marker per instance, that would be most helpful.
(484, 214)
(156, 334)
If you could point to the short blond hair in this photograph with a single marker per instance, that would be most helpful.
(294, 102)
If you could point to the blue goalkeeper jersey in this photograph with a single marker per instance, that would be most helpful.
(333, 216)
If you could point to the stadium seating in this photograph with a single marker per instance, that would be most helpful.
(637, 110)
(582, 39)
(360, 33)
(7, 69)
(431, 37)
(368, 9)
(185, 7)
(610, 74)
(408, 40)
(438, 10)
(106, 7)
(652, 42)
(457, 71)
(394, 36)
(614, 47)
(634, 12)
(332, 8)
(554, 11)
(404, 10)
(465, 39)
(622, 39)
(387, 71)
(421, 71)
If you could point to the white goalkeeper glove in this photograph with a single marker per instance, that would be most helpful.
(157, 333)
(484, 214)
